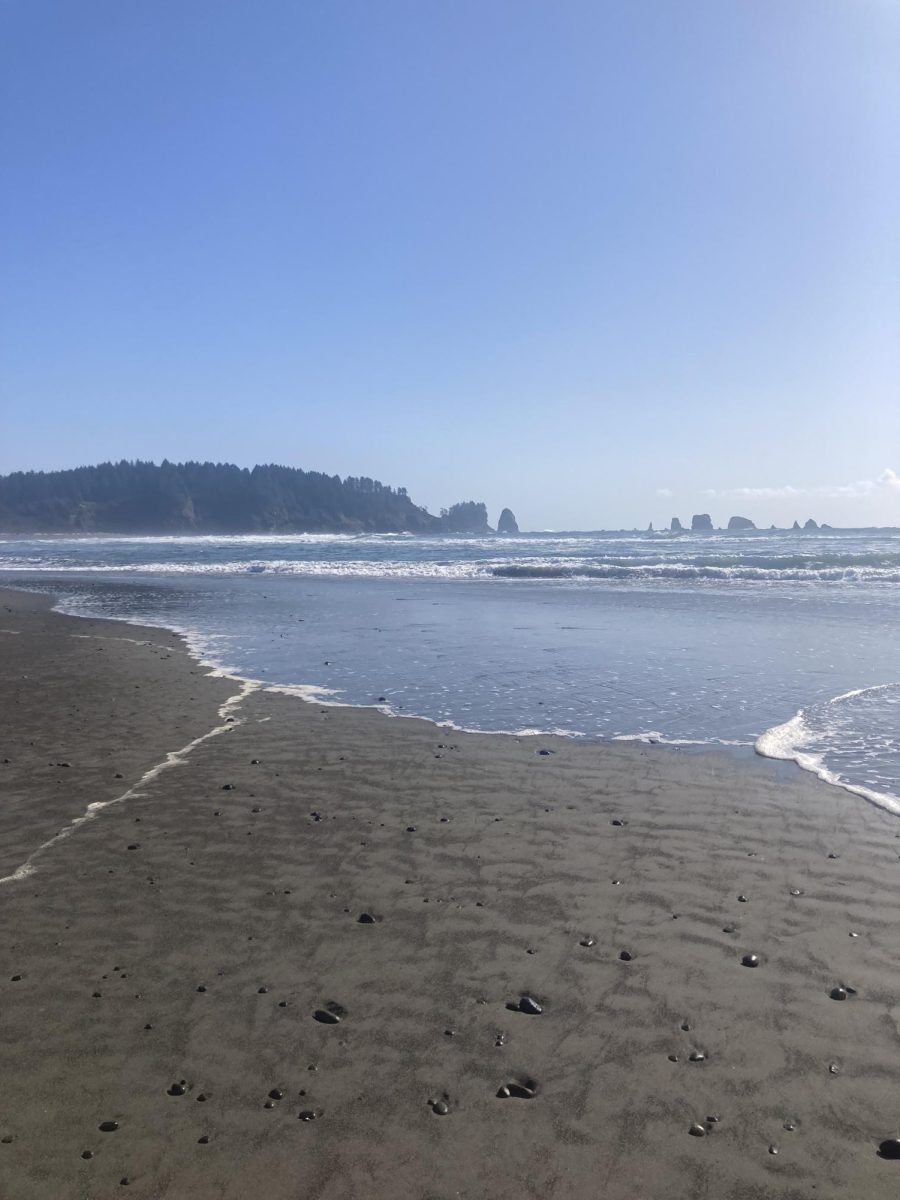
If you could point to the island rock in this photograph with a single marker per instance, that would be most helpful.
(810, 524)
(701, 521)
(740, 523)
(676, 526)
(507, 522)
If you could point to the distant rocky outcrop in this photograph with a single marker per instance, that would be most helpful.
(468, 517)
(796, 525)
(701, 521)
(676, 525)
(507, 522)
(810, 524)
(740, 523)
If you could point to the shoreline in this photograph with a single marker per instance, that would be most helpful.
(323, 695)
(193, 930)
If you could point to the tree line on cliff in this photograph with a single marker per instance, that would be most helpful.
(194, 497)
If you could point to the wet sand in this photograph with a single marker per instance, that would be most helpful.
(163, 963)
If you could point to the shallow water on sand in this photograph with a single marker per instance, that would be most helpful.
(788, 639)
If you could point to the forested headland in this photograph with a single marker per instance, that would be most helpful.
(194, 497)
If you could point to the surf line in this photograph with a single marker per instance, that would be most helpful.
(173, 759)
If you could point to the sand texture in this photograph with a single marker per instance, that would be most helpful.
(187, 934)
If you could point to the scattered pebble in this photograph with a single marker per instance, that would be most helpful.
(697, 1056)
(773, 1149)
(588, 941)
(201, 987)
(796, 892)
(528, 1004)
(890, 1148)
(367, 919)
(839, 993)
(697, 1131)
(309, 1114)
(202, 1141)
(742, 899)
(626, 955)
(518, 1091)
(750, 960)
(618, 821)
(276, 1094)
(176, 1089)
(729, 929)
(87, 1154)
(108, 1126)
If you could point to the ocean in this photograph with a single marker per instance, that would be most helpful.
(786, 642)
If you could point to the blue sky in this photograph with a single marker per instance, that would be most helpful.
(603, 262)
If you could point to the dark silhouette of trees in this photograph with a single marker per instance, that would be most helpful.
(194, 497)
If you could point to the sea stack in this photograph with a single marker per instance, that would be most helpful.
(507, 522)
(740, 523)
(796, 525)
(701, 521)
(676, 526)
(810, 524)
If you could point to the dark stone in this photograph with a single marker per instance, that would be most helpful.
(440, 1108)
(697, 1056)
(750, 960)
(796, 892)
(176, 1089)
(203, 1140)
(697, 1131)
(588, 941)
(366, 919)
(201, 987)
(729, 929)
(626, 955)
(309, 1114)
(15, 978)
(517, 1091)
(618, 821)
(201, 1099)
(507, 523)
(529, 1005)
(382, 700)
(839, 993)
(276, 1094)
(410, 829)
(87, 1154)
(330, 1014)
(742, 899)
(545, 753)
(889, 1148)
(254, 762)
(108, 1126)
(227, 787)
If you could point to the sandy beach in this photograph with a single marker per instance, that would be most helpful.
(173, 965)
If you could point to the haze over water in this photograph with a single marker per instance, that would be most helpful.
(788, 638)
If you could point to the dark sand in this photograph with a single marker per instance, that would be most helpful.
(510, 866)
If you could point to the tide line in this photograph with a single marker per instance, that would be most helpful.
(172, 759)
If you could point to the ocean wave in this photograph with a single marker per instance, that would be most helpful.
(841, 737)
(695, 571)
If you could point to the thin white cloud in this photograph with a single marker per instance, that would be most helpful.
(888, 480)
(664, 492)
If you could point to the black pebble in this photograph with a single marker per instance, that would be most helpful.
(227, 787)
(87, 1154)
(201, 1141)
(202, 987)
(839, 993)
(588, 941)
(177, 1089)
(308, 1114)
(528, 1005)
(276, 1094)
(750, 960)
(729, 929)
(697, 1056)
(440, 1108)
(626, 955)
(366, 919)
(410, 829)
(545, 753)
(697, 1131)
(618, 821)
(108, 1126)
(261, 991)
(890, 1148)
(326, 1018)
(742, 899)
(517, 1091)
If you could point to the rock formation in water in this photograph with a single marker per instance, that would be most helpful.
(740, 523)
(469, 516)
(796, 525)
(701, 521)
(676, 525)
(507, 522)
(810, 524)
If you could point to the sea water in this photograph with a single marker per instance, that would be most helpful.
(785, 641)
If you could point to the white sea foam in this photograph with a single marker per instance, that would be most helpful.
(813, 733)
(173, 759)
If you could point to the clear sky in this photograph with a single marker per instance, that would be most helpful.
(601, 261)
